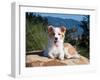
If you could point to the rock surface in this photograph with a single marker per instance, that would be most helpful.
(35, 60)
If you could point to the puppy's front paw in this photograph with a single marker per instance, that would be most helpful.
(61, 57)
(51, 56)
(77, 56)
(73, 56)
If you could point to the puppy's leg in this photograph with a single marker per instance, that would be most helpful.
(61, 55)
(50, 54)
(70, 51)
(66, 54)
(76, 55)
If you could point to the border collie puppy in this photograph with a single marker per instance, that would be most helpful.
(56, 47)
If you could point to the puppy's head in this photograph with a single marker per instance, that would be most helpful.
(56, 34)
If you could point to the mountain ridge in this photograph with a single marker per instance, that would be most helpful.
(68, 23)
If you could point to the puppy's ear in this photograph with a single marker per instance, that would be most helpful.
(63, 29)
(50, 28)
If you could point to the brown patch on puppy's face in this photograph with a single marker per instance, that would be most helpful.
(50, 31)
(63, 31)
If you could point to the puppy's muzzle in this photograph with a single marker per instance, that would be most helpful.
(56, 38)
(55, 41)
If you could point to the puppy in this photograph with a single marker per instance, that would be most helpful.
(56, 47)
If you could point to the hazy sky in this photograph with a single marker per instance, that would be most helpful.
(64, 16)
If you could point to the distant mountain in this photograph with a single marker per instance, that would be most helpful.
(68, 23)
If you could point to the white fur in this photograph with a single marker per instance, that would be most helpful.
(52, 50)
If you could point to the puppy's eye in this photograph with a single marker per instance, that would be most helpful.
(53, 34)
(59, 34)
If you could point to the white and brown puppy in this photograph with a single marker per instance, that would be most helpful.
(56, 47)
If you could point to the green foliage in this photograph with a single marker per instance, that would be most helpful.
(84, 42)
(36, 34)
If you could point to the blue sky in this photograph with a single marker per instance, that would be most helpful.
(64, 16)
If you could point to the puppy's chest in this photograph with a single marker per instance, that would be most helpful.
(57, 49)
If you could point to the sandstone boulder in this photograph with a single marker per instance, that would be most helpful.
(34, 60)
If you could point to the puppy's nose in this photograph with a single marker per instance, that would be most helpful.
(56, 38)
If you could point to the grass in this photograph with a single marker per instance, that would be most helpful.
(84, 52)
(36, 37)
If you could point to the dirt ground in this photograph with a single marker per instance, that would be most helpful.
(36, 60)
